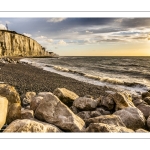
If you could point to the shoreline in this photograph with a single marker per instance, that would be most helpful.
(25, 77)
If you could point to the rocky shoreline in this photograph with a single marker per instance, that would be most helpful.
(34, 100)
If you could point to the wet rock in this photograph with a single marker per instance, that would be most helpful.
(29, 125)
(53, 111)
(66, 96)
(3, 110)
(101, 127)
(84, 103)
(106, 119)
(132, 117)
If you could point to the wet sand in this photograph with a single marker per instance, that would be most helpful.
(25, 77)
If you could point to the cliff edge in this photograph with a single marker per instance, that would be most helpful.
(15, 44)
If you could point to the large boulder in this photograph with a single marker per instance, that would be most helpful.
(106, 119)
(107, 102)
(145, 109)
(53, 111)
(132, 117)
(101, 127)
(35, 102)
(84, 103)
(29, 125)
(122, 100)
(66, 96)
(88, 114)
(27, 114)
(14, 103)
(3, 110)
(14, 112)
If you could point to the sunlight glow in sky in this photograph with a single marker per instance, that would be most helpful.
(86, 36)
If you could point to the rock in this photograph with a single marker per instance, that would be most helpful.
(29, 125)
(13, 102)
(3, 110)
(147, 100)
(132, 117)
(14, 112)
(148, 122)
(107, 119)
(141, 130)
(88, 114)
(83, 103)
(35, 102)
(101, 127)
(138, 102)
(108, 102)
(145, 109)
(66, 96)
(145, 94)
(74, 109)
(122, 100)
(27, 114)
(28, 98)
(53, 111)
(103, 111)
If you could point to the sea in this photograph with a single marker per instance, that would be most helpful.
(131, 74)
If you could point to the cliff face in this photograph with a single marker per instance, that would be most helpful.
(14, 44)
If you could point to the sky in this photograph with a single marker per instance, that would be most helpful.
(86, 36)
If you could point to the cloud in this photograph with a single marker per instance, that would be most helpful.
(55, 20)
(41, 37)
(27, 34)
(2, 27)
(62, 42)
(50, 40)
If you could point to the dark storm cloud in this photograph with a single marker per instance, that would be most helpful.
(135, 22)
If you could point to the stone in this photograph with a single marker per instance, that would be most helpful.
(84, 103)
(14, 112)
(148, 122)
(101, 127)
(122, 100)
(108, 102)
(66, 96)
(27, 114)
(147, 100)
(141, 131)
(13, 102)
(138, 102)
(88, 114)
(145, 109)
(103, 111)
(107, 119)
(53, 111)
(145, 94)
(28, 98)
(74, 109)
(132, 117)
(35, 102)
(30, 125)
(3, 110)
